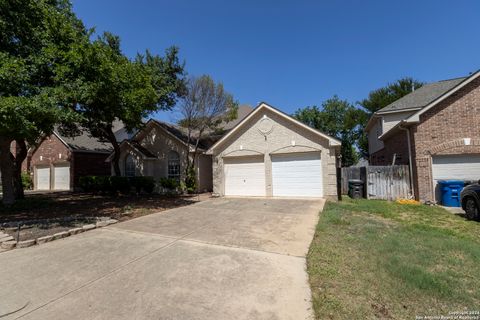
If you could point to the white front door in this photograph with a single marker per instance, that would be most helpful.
(244, 176)
(455, 167)
(297, 175)
(61, 178)
(43, 178)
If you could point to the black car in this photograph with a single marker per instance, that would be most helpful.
(470, 198)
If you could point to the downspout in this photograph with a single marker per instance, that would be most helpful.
(410, 165)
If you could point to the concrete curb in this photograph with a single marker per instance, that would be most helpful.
(8, 242)
(26, 243)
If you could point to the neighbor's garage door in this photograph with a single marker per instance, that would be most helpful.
(244, 176)
(61, 178)
(297, 175)
(43, 178)
(457, 167)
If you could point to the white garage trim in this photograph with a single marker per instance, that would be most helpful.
(455, 167)
(244, 176)
(297, 175)
(42, 178)
(61, 177)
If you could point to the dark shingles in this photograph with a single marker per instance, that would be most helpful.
(422, 96)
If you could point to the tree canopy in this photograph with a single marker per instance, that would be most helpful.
(37, 36)
(382, 97)
(337, 118)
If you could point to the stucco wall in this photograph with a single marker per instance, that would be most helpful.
(392, 119)
(278, 136)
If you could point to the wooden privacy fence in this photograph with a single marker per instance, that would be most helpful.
(381, 182)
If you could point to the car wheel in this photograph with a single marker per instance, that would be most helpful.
(471, 209)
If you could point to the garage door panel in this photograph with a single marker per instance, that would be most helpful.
(297, 175)
(43, 178)
(455, 167)
(62, 178)
(245, 176)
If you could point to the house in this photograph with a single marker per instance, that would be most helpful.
(59, 161)
(435, 130)
(161, 150)
(270, 154)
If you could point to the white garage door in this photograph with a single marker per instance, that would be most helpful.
(245, 176)
(61, 178)
(455, 167)
(43, 178)
(297, 175)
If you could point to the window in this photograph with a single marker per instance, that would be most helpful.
(173, 165)
(129, 166)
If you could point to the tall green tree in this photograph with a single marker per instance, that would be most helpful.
(382, 97)
(337, 118)
(107, 86)
(35, 38)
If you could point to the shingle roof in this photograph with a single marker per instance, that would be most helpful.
(242, 112)
(84, 142)
(422, 96)
(142, 149)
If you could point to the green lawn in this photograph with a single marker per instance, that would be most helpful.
(378, 259)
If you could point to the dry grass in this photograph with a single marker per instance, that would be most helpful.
(378, 259)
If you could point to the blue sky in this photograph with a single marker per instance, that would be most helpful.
(293, 54)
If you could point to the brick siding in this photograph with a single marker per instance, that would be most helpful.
(441, 131)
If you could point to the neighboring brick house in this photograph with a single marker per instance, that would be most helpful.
(59, 161)
(435, 130)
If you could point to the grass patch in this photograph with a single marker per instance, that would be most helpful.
(378, 259)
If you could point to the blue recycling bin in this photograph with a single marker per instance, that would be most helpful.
(450, 190)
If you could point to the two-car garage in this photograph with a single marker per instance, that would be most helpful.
(52, 178)
(271, 154)
(292, 175)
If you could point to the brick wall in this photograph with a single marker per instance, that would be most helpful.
(442, 130)
(89, 164)
(397, 144)
(49, 152)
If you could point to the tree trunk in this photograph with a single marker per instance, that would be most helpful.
(116, 151)
(6, 167)
(20, 155)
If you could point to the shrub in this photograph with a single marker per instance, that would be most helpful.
(119, 184)
(145, 184)
(116, 184)
(169, 183)
(27, 181)
(191, 181)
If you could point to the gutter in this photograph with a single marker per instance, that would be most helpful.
(410, 165)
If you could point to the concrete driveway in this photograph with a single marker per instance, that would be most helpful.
(217, 259)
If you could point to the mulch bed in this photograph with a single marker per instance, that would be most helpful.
(46, 214)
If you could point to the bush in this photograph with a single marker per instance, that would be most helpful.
(145, 184)
(169, 183)
(191, 181)
(116, 184)
(27, 181)
(119, 184)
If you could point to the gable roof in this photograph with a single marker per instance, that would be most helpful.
(85, 142)
(415, 118)
(243, 111)
(422, 96)
(262, 106)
